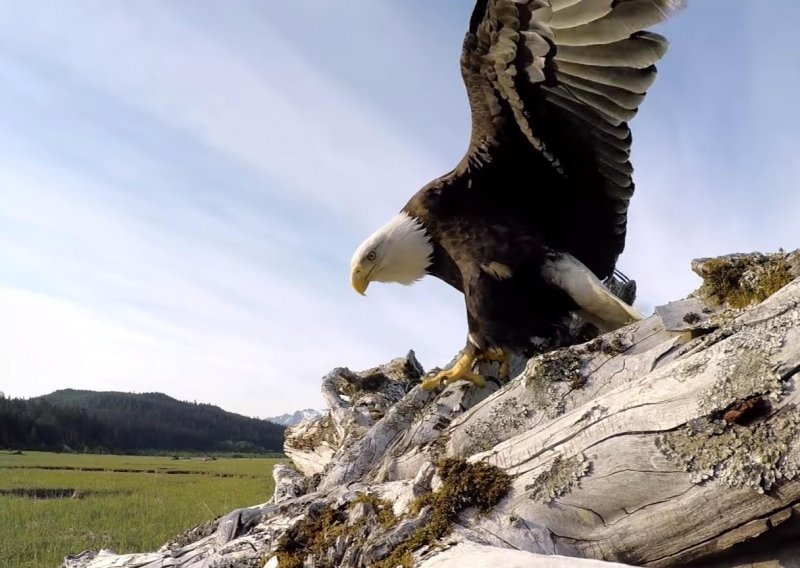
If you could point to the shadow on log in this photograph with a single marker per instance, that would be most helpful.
(675, 440)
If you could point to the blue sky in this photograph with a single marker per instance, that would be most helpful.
(182, 184)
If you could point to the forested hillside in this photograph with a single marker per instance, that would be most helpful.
(120, 422)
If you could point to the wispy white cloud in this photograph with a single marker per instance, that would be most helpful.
(132, 306)
(182, 186)
(241, 285)
(279, 116)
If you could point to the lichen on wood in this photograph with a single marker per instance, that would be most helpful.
(505, 418)
(748, 374)
(551, 376)
(608, 346)
(756, 456)
(559, 478)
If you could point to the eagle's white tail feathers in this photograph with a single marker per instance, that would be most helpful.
(598, 305)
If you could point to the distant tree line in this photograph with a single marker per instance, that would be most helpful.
(124, 422)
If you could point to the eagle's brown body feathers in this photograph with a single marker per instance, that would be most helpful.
(542, 193)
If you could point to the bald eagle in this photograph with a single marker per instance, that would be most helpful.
(534, 215)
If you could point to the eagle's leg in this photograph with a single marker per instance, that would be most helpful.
(498, 355)
(461, 370)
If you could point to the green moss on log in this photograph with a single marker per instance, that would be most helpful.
(744, 280)
(318, 531)
(464, 485)
(383, 508)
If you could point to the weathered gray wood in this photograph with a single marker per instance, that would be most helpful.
(664, 515)
(356, 402)
(685, 315)
(472, 555)
(664, 443)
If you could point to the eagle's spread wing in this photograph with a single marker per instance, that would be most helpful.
(562, 78)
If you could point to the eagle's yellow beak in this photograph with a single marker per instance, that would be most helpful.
(359, 280)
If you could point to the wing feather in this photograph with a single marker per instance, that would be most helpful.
(627, 18)
(638, 51)
(579, 14)
(625, 78)
(568, 76)
(621, 97)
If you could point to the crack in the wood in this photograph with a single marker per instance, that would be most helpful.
(631, 346)
(634, 470)
(584, 508)
(530, 532)
(694, 345)
(417, 426)
(773, 315)
(652, 504)
(634, 433)
(717, 536)
(575, 539)
(777, 410)
(610, 379)
(788, 375)
(661, 357)
(248, 541)
(563, 399)
(708, 341)
(484, 529)
(656, 332)
(600, 441)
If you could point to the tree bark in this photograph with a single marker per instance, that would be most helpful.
(673, 440)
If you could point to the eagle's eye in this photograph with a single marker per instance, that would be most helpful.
(371, 255)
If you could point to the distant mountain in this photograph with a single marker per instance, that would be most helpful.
(296, 418)
(119, 421)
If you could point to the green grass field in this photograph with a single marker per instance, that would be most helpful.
(52, 505)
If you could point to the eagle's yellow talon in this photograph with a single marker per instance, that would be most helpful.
(504, 371)
(476, 380)
(461, 370)
(498, 355)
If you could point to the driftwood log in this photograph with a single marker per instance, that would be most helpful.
(671, 442)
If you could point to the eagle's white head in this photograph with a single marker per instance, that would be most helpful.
(400, 251)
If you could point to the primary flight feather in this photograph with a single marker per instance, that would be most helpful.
(534, 215)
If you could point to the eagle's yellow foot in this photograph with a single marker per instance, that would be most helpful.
(461, 370)
(498, 355)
